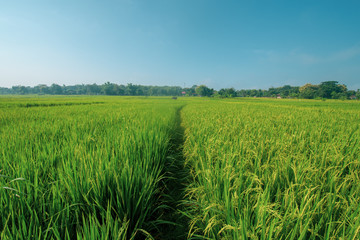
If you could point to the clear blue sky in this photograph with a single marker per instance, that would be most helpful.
(220, 43)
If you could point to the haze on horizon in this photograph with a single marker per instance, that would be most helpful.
(240, 44)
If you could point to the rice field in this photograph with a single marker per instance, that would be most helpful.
(85, 171)
(273, 169)
(127, 168)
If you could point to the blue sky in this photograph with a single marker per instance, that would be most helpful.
(240, 44)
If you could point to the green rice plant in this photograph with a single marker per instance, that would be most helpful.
(267, 169)
(92, 171)
(96, 168)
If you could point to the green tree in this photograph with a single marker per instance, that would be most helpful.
(309, 91)
(93, 89)
(204, 91)
(331, 89)
(43, 89)
(358, 94)
(227, 92)
(109, 88)
(56, 89)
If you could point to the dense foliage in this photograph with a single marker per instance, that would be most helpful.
(325, 90)
(94, 89)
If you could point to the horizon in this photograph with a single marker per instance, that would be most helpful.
(182, 87)
(244, 45)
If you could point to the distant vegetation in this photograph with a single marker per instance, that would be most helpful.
(325, 90)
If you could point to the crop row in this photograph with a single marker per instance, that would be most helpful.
(83, 171)
(267, 170)
(254, 168)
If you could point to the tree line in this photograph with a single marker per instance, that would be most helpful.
(324, 90)
(94, 89)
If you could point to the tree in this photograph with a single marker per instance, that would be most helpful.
(19, 90)
(204, 91)
(43, 89)
(109, 88)
(227, 92)
(331, 89)
(56, 89)
(357, 94)
(309, 91)
(190, 91)
(93, 89)
(130, 89)
(241, 93)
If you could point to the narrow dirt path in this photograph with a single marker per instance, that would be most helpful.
(177, 179)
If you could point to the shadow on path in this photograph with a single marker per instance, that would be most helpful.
(177, 176)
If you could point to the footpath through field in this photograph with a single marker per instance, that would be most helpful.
(176, 181)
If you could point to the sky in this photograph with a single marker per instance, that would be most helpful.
(246, 44)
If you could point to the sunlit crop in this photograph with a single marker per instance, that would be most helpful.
(273, 169)
(201, 168)
(82, 169)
